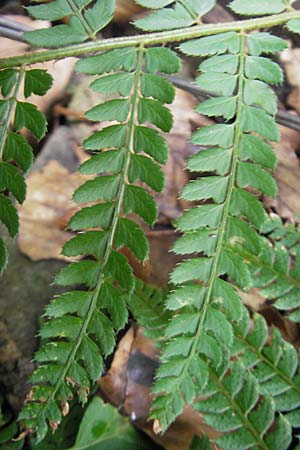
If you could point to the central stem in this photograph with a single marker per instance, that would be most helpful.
(149, 39)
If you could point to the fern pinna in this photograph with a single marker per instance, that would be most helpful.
(16, 154)
(211, 356)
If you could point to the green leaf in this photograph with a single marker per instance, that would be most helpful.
(17, 149)
(69, 303)
(111, 298)
(154, 112)
(190, 295)
(118, 268)
(166, 19)
(111, 110)
(257, 67)
(214, 135)
(137, 200)
(89, 353)
(260, 94)
(294, 25)
(100, 14)
(144, 169)
(37, 82)
(3, 256)
(192, 269)
(116, 83)
(130, 235)
(220, 106)
(162, 59)
(82, 272)
(232, 265)
(239, 232)
(259, 43)
(64, 327)
(257, 120)
(253, 175)
(213, 159)
(28, 116)
(11, 179)
(258, 8)
(88, 243)
(9, 215)
(109, 137)
(149, 141)
(255, 149)
(92, 217)
(154, 4)
(8, 78)
(217, 83)
(112, 61)
(246, 204)
(225, 294)
(200, 216)
(73, 33)
(105, 187)
(196, 242)
(102, 427)
(106, 161)
(221, 64)
(102, 328)
(158, 88)
(212, 45)
(206, 188)
(55, 10)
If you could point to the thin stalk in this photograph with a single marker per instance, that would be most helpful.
(77, 11)
(149, 39)
(9, 113)
(191, 12)
(117, 212)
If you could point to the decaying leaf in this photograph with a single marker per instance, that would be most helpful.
(45, 212)
(127, 386)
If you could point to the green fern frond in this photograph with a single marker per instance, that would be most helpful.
(260, 371)
(274, 363)
(206, 309)
(232, 405)
(81, 325)
(275, 270)
(16, 154)
(172, 14)
(85, 19)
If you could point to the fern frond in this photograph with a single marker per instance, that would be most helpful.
(202, 328)
(261, 376)
(274, 363)
(85, 19)
(16, 154)
(231, 404)
(172, 14)
(275, 270)
(81, 325)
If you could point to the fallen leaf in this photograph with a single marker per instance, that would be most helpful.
(44, 213)
(127, 386)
